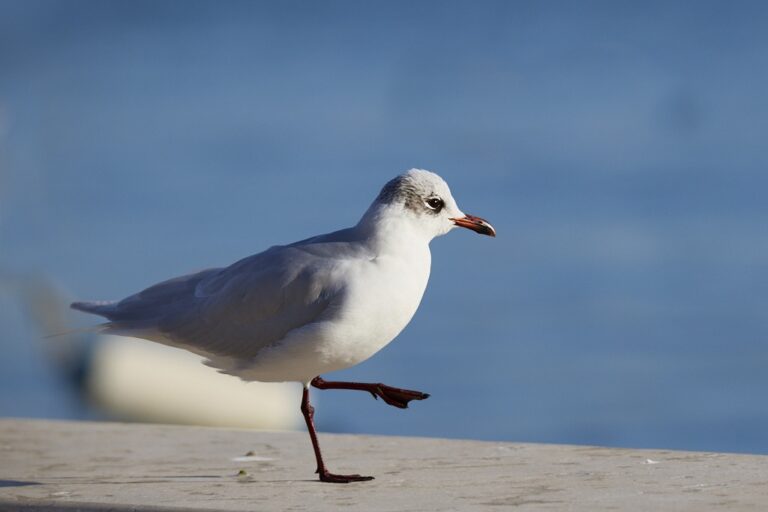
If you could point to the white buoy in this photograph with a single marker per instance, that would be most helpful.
(140, 380)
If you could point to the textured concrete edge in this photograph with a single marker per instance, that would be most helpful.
(362, 435)
(70, 506)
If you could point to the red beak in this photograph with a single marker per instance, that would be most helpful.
(476, 224)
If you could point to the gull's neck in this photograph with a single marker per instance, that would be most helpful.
(388, 229)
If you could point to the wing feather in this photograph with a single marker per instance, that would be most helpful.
(234, 311)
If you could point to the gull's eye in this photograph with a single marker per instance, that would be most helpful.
(435, 203)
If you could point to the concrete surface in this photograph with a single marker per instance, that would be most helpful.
(46, 465)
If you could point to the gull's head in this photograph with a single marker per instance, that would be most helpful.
(423, 200)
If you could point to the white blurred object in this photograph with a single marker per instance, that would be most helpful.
(138, 380)
(141, 380)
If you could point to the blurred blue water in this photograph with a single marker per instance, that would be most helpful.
(619, 149)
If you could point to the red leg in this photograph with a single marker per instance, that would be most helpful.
(393, 396)
(325, 475)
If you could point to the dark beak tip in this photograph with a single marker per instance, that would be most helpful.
(488, 231)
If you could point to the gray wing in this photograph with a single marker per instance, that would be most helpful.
(235, 311)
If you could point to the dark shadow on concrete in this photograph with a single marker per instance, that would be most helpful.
(16, 483)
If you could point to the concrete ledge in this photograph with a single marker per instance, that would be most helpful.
(47, 465)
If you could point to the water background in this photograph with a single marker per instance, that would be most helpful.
(618, 147)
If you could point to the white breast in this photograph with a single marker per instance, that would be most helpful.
(379, 305)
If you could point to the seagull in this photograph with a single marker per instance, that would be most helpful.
(294, 312)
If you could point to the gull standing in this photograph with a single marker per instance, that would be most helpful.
(296, 311)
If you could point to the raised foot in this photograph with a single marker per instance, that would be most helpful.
(326, 476)
(397, 397)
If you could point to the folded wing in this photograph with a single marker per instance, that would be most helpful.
(231, 312)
